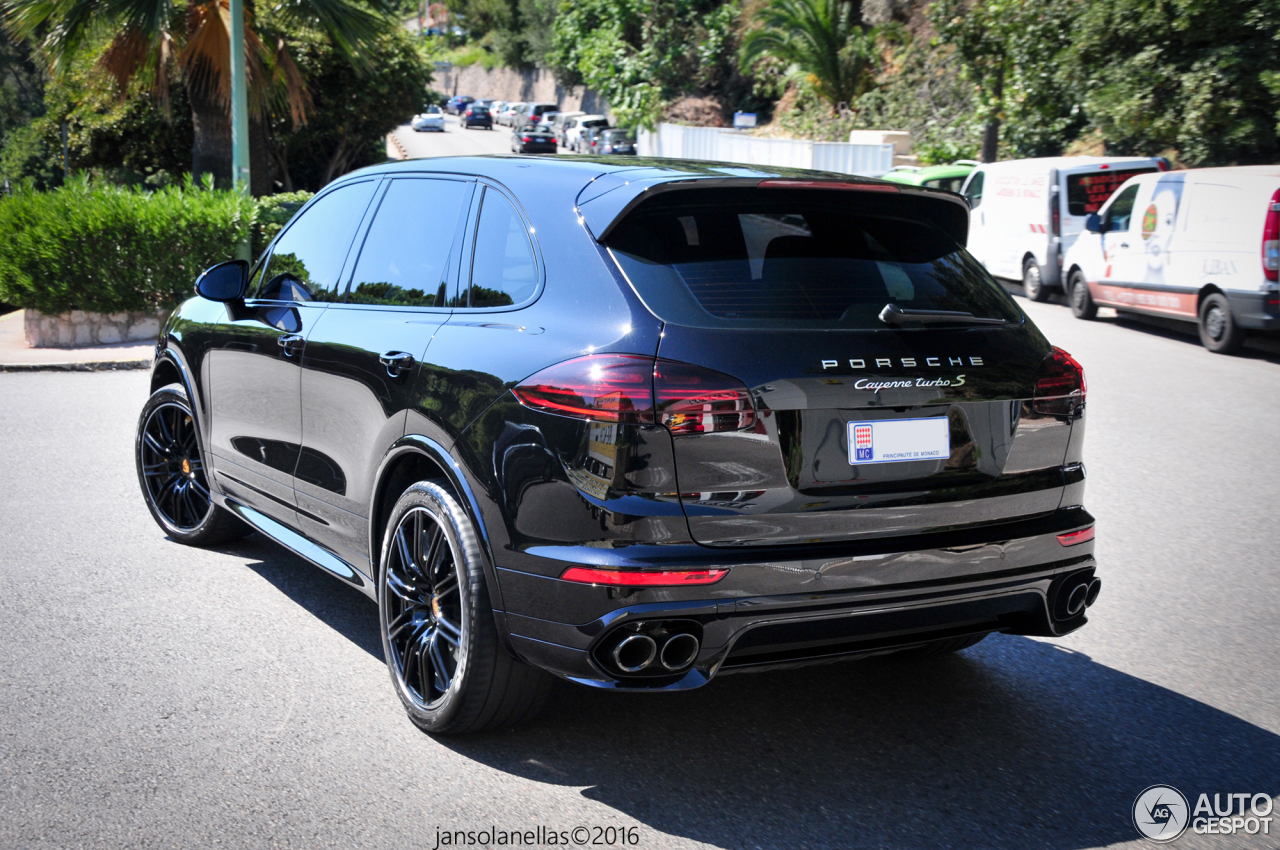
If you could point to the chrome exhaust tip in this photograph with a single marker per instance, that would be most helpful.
(679, 651)
(1077, 599)
(1095, 587)
(634, 653)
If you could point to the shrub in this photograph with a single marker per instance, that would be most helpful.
(110, 249)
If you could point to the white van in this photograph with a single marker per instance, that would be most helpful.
(1027, 212)
(573, 130)
(1201, 246)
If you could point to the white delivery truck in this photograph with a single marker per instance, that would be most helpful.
(1201, 246)
(1027, 212)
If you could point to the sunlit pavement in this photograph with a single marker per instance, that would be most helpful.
(157, 695)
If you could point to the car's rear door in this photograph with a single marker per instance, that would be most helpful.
(254, 379)
(863, 427)
(363, 356)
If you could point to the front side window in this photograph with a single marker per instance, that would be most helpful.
(974, 192)
(403, 260)
(503, 271)
(749, 258)
(307, 259)
(1120, 213)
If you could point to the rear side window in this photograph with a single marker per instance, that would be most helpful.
(775, 258)
(1086, 193)
(406, 251)
(503, 271)
(951, 184)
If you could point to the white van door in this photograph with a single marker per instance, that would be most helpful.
(978, 234)
(1123, 243)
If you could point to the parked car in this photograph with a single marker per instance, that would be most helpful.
(509, 112)
(949, 177)
(614, 141)
(533, 138)
(561, 121)
(573, 133)
(457, 103)
(476, 115)
(1028, 212)
(436, 386)
(1198, 246)
(589, 139)
(432, 119)
(534, 112)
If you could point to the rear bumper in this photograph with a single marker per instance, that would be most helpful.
(1258, 311)
(768, 614)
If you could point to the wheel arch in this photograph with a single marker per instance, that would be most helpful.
(170, 367)
(417, 458)
(1205, 291)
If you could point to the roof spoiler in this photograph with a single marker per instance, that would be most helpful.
(606, 201)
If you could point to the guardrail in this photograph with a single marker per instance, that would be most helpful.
(676, 141)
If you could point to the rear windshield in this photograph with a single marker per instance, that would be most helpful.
(479, 110)
(777, 258)
(1086, 193)
(596, 122)
(621, 135)
(544, 108)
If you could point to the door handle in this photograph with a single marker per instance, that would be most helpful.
(1124, 244)
(396, 362)
(290, 343)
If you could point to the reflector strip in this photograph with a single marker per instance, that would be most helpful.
(1071, 538)
(635, 578)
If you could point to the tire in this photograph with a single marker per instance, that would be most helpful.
(1082, 304)
(171, 473)
(1218, 329)
(1032, 286)
(940, 647)
(441, 645)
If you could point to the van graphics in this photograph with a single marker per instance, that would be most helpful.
(1177, 303)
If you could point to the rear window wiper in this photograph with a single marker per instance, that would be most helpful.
(892, 314)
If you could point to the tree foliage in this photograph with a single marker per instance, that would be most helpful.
(639, 54)
(1196, 76)
(824, 40)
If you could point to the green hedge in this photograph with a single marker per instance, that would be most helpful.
(108, 249)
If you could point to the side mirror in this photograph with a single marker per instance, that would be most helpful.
(1093, 224)
(224, 282)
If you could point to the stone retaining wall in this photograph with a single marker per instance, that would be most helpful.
(79, 329)
(538, 86)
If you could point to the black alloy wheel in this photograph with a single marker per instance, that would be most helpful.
(1218, 329)
(439, 636)
(1032, 285)
(1082, 304)
(171, 472)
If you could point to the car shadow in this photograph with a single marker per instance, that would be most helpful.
(1014, 743)
(332, 601)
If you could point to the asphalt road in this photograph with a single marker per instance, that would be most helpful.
(154, 695)
(454, 141)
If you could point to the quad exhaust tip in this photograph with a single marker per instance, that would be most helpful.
(634, 653)
(1077, 598)
(1077, 595)
(679, 651)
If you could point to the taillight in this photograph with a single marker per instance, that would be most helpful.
(1060, 386)
(1055, 216)
(1271, 240)
(603, 387)
(643, 578)
(693, 400)
(633, 388)
(1073, 538)
(525, 139)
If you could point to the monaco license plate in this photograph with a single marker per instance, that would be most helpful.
(898, 440)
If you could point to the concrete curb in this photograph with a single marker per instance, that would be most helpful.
(393, 141)
(93, 366)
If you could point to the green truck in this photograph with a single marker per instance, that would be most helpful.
(950, 177)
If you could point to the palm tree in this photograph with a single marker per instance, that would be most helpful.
(822, 39)
(156, 38)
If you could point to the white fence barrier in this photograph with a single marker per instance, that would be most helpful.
(676, 141)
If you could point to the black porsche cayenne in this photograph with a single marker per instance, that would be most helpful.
(632, 424)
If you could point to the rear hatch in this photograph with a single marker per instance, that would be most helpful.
(870, 418)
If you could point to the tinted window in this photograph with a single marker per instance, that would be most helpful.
(1086, 193)
(306, 261)
(503, 271)
(974, 192)
(748, 258)
(951, 184)
(403, 260)
(1121, 210)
